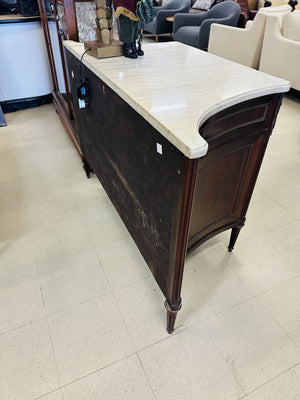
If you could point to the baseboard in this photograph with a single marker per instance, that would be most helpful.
(21, 104)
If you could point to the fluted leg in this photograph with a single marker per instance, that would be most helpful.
(172, 311)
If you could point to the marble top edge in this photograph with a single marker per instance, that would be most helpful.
(178, 111)
(231, 102)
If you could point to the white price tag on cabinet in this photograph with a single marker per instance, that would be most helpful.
(81, 103)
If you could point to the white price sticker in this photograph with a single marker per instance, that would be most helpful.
(81, 103)
(159, 148)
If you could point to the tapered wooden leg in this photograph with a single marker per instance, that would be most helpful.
(86, 167)
(156, 38)
(172, 311)
(234, 235)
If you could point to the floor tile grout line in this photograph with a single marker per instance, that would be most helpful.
(64, 257)
(266, 193)
(127, 236)
(127, 284)
(47, 394)
(222, 311)
(85, 376)
(52, 315)
(255, 295)
(94, 372)
(40, 288)
(127, 329)
(47, 316)
(54, 260)
(279, 284)
(268, 232)
(135, 282)
(270, 380)
(152, 344)
(22, 326)
(222, 357)
(281, 227)
(33, 267)
(285, 159)
(265, 232)
(125, 325)
(53, 351)
(146, 376)
(236, 378)
(176, 332)
(47, 322)
(101, 264)
(111, 292)
(106, 243)
(268, 289)
(281, 327)
(124, 322)
(243, 238)
(278, 203)
(8, 275)
(57, 189)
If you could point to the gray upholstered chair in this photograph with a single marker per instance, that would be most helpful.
(160, 24)
(194, 29)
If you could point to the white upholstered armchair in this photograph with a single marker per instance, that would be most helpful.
(281, 48)
(243, 45)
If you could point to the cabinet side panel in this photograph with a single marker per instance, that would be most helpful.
(142, 173)
(237, 139)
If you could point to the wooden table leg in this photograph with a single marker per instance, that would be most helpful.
(233, 237)
(172, 311)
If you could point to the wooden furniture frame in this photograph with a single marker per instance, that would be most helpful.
(62, 102)
(171, 204)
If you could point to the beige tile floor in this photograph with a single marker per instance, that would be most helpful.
(81, 317)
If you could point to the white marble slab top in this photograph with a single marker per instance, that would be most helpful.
(176, 88)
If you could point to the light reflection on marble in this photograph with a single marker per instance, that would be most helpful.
(177, 87)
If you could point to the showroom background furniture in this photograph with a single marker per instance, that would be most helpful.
(63, 13)
(249, 8)
(275, 3)
(200, 6)
(281, 48)
(194, 29)
(160, 25)
(61, 25)
(25, 77)
(243, 45)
